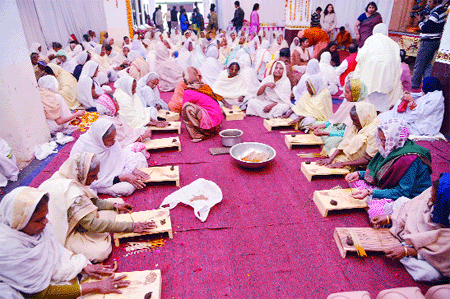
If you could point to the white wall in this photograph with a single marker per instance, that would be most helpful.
(116, 19)
(22, 121)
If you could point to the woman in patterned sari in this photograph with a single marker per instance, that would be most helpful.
(366, 22)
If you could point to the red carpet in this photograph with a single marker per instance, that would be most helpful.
(266, 239)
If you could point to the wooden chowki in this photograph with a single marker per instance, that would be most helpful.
(269, 124)
(438, 292)
(169, 142)
(401, 293)
(350, 295)
(336, 200)
(161, 217)
(233, 114)
(371, 239)
(163, 174)
(144, 285)
(168, 115)
(172, 126)
(312, 169)
(302, 139)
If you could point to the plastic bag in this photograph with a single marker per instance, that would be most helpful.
(43, 151)
(201, 194)
(63, 139)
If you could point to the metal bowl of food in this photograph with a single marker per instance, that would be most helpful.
(252, 154)
(231, 137)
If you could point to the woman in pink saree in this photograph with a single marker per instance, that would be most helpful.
(254, 20)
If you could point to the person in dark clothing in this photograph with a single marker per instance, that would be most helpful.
(238, 20)
(174, 17)
(315, 17)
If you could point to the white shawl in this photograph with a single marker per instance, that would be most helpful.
(329, 73)
(31, 263)
(211, 68)
(230, 88)
(312, 68)
(84, 86)
(150, 97)
(282, 91)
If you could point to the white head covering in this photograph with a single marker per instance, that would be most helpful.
(133, 55)
(35, 48)
(49, 82)
(82, 57)
(293, 46)
(312, 68)
(98, 49)
(317, 83)
(77, 50)
(282, 91)
(112, 159)
(29, 263)
(212, 52)
(89, 69)
(380, 28)
(211, 68)
(396, 133)
(328, 72)
(125, 84)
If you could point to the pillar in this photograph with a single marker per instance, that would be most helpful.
(22, 122)
(116, 19)
(441, 70)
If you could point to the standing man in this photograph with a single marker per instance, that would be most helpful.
(159, 23)
(431, 27)
(168, 19)
(238, 20)
(174, 17)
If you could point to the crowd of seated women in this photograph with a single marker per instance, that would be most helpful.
(208, 72)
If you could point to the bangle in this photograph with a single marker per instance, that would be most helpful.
(406, 251)
(81, 290)
(388, 219)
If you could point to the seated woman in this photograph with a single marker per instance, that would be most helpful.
(332, 48)
(400, 168)
(88, 90)
(201, 112)
(278, 44)
(424, 115)
(315, 105)
(329, 73)
(273, 95)
(211, 68)
(423, 227)
(67, 85)
(358, 145)
(84, 222)
(55, 108)
(168, 70)
(34, 264)
(132, 111)
(312, 68)
(232, 87)
(8, 164)
(176, 102)
(138, 66)
(108, 108)
(147, 89)
(301, 55)
(332, 131)
(263, 56)
(81, 59)
(119, 174)
(186, 54)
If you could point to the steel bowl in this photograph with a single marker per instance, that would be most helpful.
(242, 149)
(231, 137)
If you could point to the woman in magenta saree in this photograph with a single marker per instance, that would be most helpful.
(254, 20)
(365, 23)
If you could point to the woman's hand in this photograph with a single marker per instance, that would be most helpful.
(270, 85)
(123, 207)
(269, 107)
(133, 180)
(380, 220)
(407, 96)
(111, 284)
(357, 37)
(337, 165)
(352, 177)
(98, 271)
(140, 174)
(325, 162)
(287, 114)
(227, 105)
(319, 126)
(143, 227)
(319, 132)
(360, 194)
(80, 113)
(161, 124)
(297, 120)
(147, 134)
(395, 253)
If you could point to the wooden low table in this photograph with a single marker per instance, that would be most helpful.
(163, 143)
(371, 239)
(160, 216)
(336, 200)
(302, 139)
(312, 169)
(172, 126)
(163, 174)
(168, 115)
(144, 284)
(233, 114)
(269, 124)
